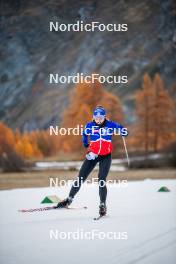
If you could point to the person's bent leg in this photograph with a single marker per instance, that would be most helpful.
(104, 166)
(85, 170)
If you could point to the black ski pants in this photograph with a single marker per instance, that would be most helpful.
(85, 170)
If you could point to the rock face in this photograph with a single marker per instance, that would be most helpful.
(29, 52)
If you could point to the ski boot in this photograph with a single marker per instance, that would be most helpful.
(65, 203)
(102, 209)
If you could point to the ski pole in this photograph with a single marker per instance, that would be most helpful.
(126, 151)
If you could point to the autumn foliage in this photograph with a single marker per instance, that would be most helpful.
(153, 130)
(7, 139)
(36, 144)
(155, 124)
(83, 99)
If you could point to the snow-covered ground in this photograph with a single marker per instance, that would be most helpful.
(138, 212)
(117, 164)
(67, 165)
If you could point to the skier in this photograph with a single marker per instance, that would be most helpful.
(99, 132)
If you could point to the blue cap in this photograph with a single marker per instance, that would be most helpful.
(99, 111)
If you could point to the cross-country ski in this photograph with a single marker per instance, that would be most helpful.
(49, 208)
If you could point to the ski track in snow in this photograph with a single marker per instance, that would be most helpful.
(149, 218)
(145, 253)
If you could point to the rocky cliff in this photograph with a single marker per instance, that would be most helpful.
(29, 52)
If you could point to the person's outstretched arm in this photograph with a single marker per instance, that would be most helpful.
(121, 129)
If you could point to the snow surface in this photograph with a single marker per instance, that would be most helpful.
(148, 217)
(67, 165)
(117, 164)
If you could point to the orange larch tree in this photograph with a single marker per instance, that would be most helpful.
(83, 99)
(7, 139)
(154, 109)
(162, 114)
(144, 106)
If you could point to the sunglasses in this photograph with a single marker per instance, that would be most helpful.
(99, 117)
